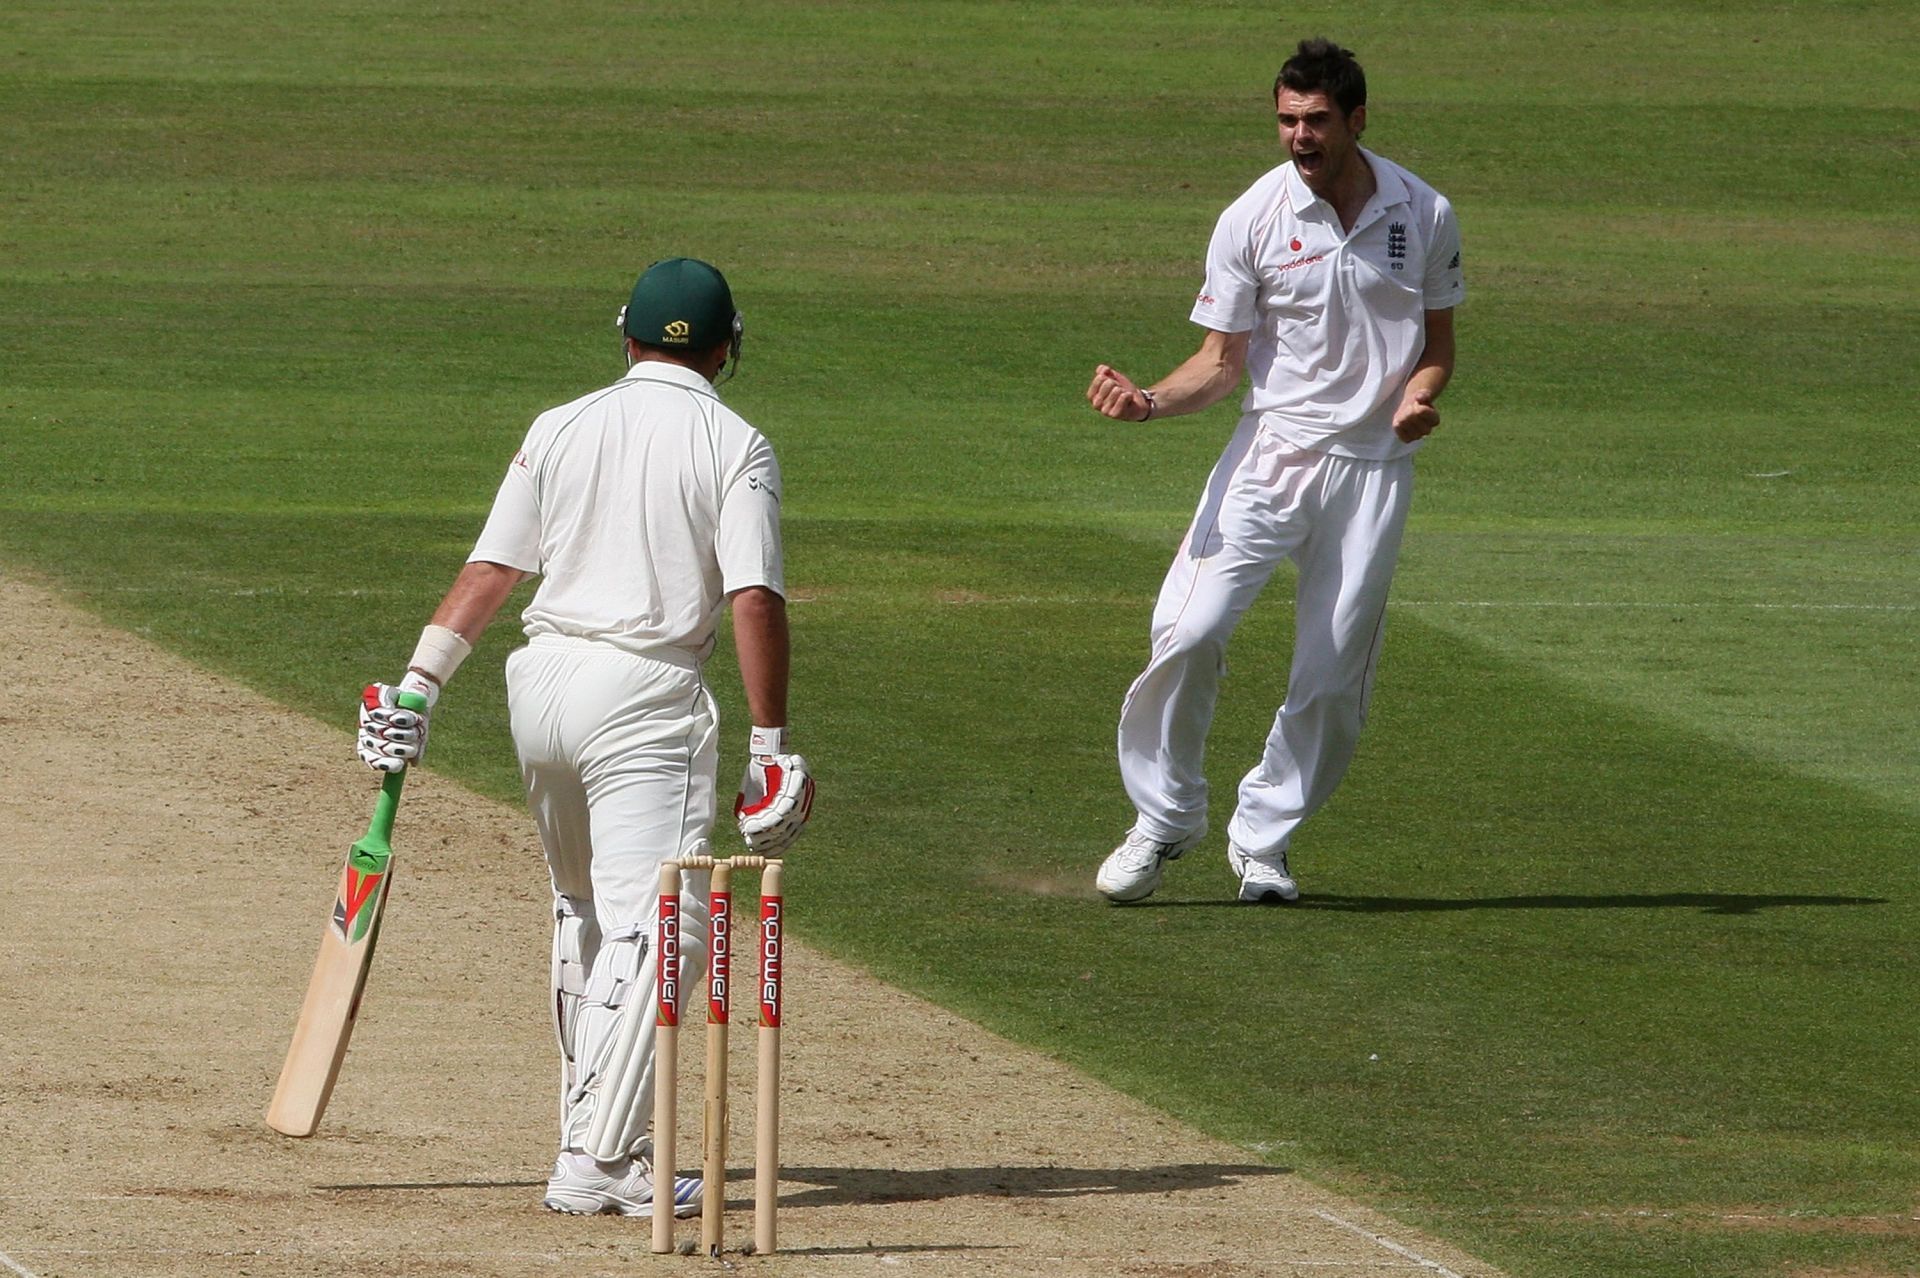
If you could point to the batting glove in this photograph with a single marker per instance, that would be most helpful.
(776, 794)
(391, 736)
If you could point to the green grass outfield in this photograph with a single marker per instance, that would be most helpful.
(1607, 955)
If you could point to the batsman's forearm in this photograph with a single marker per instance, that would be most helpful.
(761, 642)
(476, 595)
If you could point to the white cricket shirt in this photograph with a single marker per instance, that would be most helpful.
(1338, 318)
(642, 506)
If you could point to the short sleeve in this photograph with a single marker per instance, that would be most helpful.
(748, 542)
(512, 534)
(1228, 296)
(1444, 287)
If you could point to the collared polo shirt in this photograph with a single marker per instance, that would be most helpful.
(1338, 317)
(642, 506)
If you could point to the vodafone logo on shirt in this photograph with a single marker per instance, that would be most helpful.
(1297, 245)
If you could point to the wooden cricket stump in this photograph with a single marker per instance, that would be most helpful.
(770, 940)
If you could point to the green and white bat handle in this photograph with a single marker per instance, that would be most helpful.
(384, 807)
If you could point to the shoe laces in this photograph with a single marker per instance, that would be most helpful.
(1258, 870)
(1265, 871)
(1143, 850)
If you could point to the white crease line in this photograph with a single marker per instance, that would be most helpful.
(1079, 600)
(1663, 607)
(16, 1266)
(1388, 1243)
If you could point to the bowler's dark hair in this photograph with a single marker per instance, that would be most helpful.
(1321, 66)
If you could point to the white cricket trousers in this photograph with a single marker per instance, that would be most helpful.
(1340, 520)
(618, 754)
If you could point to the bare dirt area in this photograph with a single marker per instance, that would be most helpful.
(172, 845)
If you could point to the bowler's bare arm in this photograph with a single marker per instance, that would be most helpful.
(1208, 376)
(1416, 417)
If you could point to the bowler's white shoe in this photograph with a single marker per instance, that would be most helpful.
(583, 1186)
(1262, 882)
(1132, 871)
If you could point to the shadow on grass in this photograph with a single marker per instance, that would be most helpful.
(902, 1249)
(838, 1186)
(1705, 902)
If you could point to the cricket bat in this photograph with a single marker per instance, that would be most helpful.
(340, 972)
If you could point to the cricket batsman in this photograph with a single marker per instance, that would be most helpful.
(644, 508)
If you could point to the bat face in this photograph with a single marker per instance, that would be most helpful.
(339, 978)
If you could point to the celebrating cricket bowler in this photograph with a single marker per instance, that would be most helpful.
(1332, 283)
(643, 508)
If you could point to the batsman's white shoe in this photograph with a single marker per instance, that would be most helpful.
(1132, 871)
(1262, 882)
(583, 1186)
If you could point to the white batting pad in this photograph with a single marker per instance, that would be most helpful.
(608, 1109)
(576, 940)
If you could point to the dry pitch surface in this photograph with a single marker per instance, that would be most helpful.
(171, 852)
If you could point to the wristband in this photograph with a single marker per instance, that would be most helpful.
(767, 741)
(1149, 397)
(440, 653)
(414, 681)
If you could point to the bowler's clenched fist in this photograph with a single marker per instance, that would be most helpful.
(1114, 395)
(1416, 417)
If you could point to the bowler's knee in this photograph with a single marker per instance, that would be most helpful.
(1194, 639)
